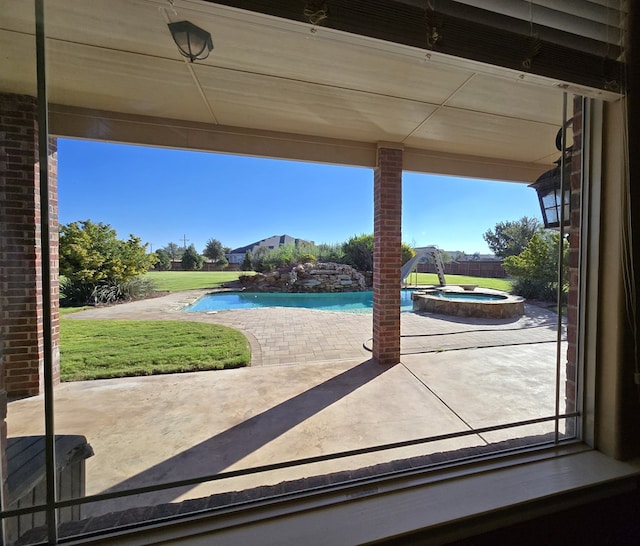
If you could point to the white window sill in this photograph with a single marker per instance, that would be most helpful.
(454, 503)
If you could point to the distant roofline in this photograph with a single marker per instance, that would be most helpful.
(282, 239)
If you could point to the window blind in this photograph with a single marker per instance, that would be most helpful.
(579, 41)
(600, 21)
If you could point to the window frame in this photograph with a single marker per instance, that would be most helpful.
(381, 490)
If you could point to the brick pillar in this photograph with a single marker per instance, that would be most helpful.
(574, 260)
(387, 254)
(21, 309)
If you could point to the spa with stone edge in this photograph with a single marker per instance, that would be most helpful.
(468, 301)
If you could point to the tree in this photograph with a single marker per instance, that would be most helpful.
(536, 267)
(174, 251)
(358, 252)
(247, 263)
(91, 253)
(164, 261)
(511, 238)
(213, 250)
(191, 260)
(97, 267)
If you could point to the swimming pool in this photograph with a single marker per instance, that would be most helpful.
(346, 302)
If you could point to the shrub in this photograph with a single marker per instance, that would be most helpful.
(358, 252)
(247, 263)
(536, 267)
(286, 255)
(74, 292)
(97, 267)
(260, 263)
(137, 288)
(91, 253)
(534, 290)
(330, 253)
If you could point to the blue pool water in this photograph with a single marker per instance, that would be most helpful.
(464, 296)
(349, 302)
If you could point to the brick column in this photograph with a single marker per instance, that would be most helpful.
(574, 261)
(387, 254)
(21, 312)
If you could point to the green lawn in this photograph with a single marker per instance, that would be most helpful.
(483, 282)
(68, 310)
(174, 281)
(97, 349)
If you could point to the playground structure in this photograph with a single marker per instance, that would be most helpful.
(422, 252)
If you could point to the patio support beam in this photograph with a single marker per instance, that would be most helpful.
(127, 128)
(387, 253)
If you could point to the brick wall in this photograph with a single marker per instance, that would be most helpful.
(21, 308)
(574, 258)
(387, 255)
(54, 235)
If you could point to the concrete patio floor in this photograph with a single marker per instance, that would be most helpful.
(311, 390)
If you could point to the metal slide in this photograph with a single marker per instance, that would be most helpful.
(421, 252)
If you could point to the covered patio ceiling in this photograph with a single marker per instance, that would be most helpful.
(279, 88)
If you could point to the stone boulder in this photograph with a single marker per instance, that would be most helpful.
(307, 277)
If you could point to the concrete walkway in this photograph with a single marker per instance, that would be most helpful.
(311, 390)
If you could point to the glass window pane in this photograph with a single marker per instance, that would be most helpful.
(141, 402)
(552, 215)
(549, 200)
(28, 529)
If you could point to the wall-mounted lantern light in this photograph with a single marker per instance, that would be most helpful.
(193, 42)
(554, 189)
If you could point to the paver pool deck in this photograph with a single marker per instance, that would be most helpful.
(311, 390)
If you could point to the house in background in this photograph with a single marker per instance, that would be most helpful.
(237, 255)
(476, 256)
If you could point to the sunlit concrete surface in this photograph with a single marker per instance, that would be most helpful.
(311, 390)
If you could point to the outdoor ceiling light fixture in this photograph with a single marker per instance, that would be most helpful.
(193, 42)
(554, 189)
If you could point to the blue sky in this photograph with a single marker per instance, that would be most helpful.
(164, 195)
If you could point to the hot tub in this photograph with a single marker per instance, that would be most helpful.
(460, 302)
